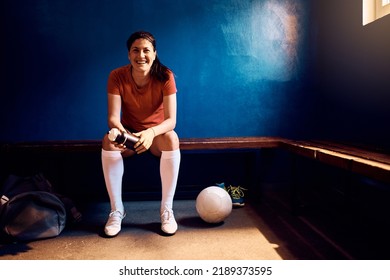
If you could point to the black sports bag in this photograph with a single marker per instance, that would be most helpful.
(32, 215)
(31, 210)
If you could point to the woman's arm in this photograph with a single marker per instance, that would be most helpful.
(114, 112)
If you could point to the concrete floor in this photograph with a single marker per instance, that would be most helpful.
(254, 232)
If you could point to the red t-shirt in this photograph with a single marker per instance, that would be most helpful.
(141, 108)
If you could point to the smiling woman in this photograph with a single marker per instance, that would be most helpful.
(142, 100)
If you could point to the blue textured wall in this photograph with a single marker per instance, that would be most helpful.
(291, 68)
(241, 66)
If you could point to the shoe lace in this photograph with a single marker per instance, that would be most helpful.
(112, 213)
(167, 215)
(236, 191)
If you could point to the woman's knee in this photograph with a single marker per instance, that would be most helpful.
(107, 144)
(171, 141)
(166, 142)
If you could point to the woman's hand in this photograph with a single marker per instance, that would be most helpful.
(145, 140)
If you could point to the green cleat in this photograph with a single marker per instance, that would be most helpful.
(236, 193)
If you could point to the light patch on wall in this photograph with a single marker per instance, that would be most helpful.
(275, 38)
(374, 9)
(266, 35)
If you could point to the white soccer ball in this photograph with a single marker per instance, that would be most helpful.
(214, 204)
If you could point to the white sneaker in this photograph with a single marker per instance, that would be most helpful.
(113, 225)
(168, 222)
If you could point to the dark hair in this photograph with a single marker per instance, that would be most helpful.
(158, 70)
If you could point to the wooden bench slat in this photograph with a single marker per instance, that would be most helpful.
(368, 164)
(54, 146)
(185, 144)
(352, 150)
(230, 143)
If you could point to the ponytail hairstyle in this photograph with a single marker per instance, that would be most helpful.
(158, 70)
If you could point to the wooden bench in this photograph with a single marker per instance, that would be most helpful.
(357, 160)
(222, 143)
(366, 162)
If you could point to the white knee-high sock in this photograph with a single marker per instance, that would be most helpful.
(112, 163)
(169, 172)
